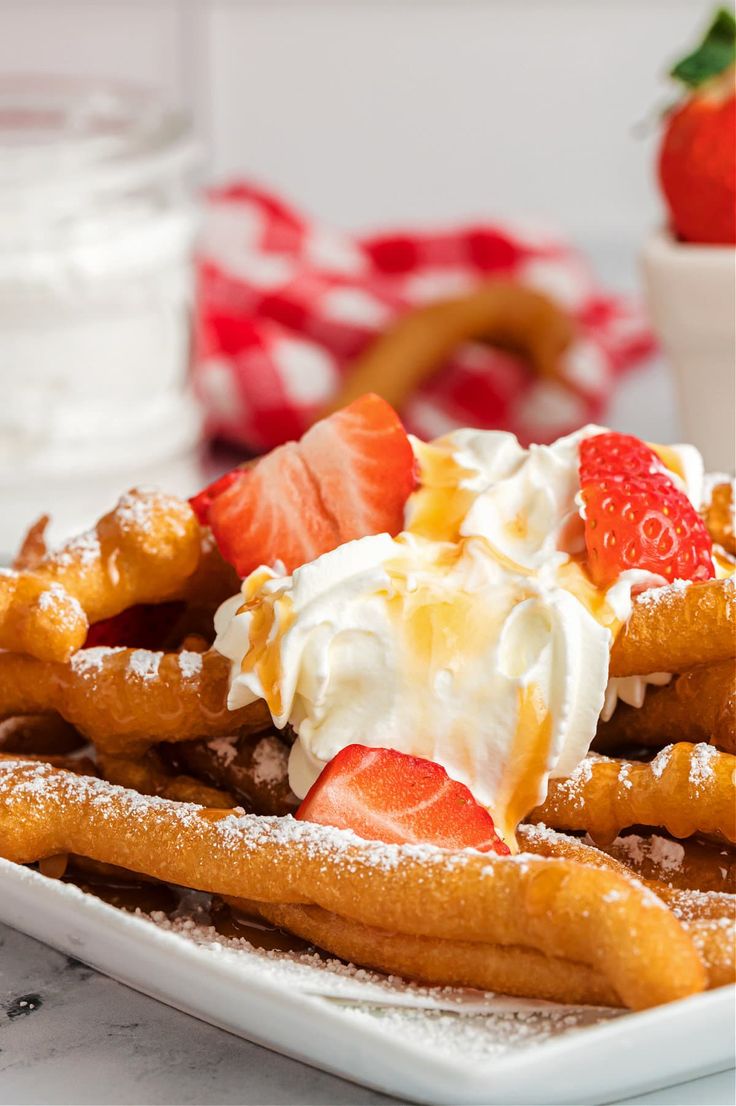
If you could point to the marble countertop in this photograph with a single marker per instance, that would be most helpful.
(70, 1035)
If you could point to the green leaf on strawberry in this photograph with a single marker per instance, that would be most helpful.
(715, 53)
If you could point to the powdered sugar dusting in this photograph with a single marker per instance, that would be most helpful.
(65, 610)
(91, 661)
(658, 764)
(573, 786)
(668, 855)
(233, 833)
(668, 593)
(138, 509)
(144, 664)
(224, 748)
(702, 765)
(270, 761)
(477, 1038)
(190, 664)
(624, 776)
(83, 550)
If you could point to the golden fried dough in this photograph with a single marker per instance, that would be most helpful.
(141, 552)
(501, 312)
(557, 907)
(125, 700)
(510, 969)
(686, 789)
(719, 517)
(675, 628)
(148, 775)
(696, 706)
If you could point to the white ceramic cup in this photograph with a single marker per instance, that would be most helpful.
(692, 300)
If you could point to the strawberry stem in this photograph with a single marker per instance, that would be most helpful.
(715, 53)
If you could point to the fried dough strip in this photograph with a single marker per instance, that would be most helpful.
(719, 517)
(557, 907)
(148, 775)
(141, 552)
(709, 916)
(39, 734)
(699, 705)
(673, 629)
(125, 700)
(503, 313)
(509, 969)
(213, 581)
(34, 546)
(710, 919)
(39, 617)
(688, 865)
(686, 789)
(253, 767)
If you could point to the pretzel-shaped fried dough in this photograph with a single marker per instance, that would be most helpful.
(501, 312)
(557, 907)
(141, 552)
(673, 629)
(125, 700)
(686, 789)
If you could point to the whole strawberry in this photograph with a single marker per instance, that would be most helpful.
(697, 158)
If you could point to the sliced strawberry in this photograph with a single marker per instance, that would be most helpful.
(364, 465)
(273, 513)
(202, 502)
(145, 626)
(644, 522)
(384, 795)
(616, 455)
(350, 476)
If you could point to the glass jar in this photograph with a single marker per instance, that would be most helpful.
(97, 224)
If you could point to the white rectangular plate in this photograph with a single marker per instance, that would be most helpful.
(428, 1045)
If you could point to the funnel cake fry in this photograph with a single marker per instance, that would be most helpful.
(689, 865)
(148, 775)
(500, 312)
(719, 517)
(710, 919)
(686, 789)
(557, 907)
(34, 546)
(141, 552)
(40, 734)
(254, 767)
(674, 628)
(125, 700)
(38, 616)
(709, 916)
(699, 705)
(510, 969)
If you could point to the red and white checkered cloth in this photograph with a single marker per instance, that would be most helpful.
(285, 305)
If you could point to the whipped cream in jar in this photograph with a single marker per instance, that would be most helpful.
(97, 225)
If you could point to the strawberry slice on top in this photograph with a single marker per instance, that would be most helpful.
(636, 516)
(348, 477)
(385, 795)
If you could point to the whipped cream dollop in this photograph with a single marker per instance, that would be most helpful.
(474, 639)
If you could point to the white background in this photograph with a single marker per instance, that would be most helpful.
(371, 111)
